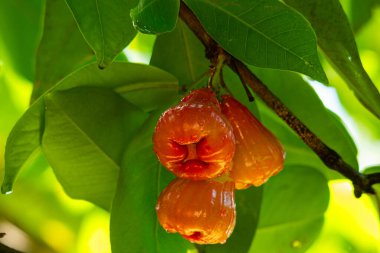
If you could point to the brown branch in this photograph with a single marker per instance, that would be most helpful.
(362, 183)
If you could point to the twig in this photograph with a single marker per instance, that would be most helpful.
(362, 183)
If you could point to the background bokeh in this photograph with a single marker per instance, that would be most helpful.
(39, 217)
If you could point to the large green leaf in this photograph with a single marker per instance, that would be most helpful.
(23, 143)
(180, 53)
(86, 131)
(301, 99)
(62, 47)
(265, 33)
(248, 203)
(143, 90)
(155, 16)
(337, 41)
(20, 26)
(105, 25)
(134, 225)
(292, 211)
(144, 86)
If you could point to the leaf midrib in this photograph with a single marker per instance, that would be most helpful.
(146, 85)
(90, 140)
(101, 32)
(257, 31)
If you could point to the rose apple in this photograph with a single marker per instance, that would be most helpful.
(259, 155)
(203, 212)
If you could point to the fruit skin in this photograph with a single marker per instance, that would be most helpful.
(193, 139)
(259, 155)
(202, 212)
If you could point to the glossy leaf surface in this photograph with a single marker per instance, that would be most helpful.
(62, 47)
(155, 16)
(123, 77)
(86, 131)
(264, 33)
(105, 25)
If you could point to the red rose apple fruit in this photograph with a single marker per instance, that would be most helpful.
(259, 155)
(193, 139)
(203, 212)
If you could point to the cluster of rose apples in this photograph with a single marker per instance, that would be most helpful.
(213, 148)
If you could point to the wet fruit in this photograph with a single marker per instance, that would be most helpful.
(259, 155)
(203, 212)
(193, 139)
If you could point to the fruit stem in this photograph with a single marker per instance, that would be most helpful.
(222, 83)
(217, 63)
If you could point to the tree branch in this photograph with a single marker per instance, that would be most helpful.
(362, 183)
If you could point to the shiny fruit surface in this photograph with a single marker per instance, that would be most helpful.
(203, 212)
(259, 155)
(204, 96)
(193, 139)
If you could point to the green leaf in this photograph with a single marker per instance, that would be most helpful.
(180, 53)
(26, 135)
(148, 91)
(337, 41)
(361, 12)
(23, 143)
(86, 131)
(265, 33)
(105, 25)
(155, 16)
(20, 26)
(62, 48)
(292, 210)
(134, 225)
(301, 99)
(248, 203)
